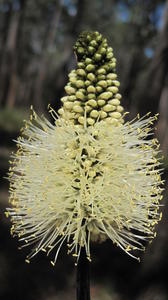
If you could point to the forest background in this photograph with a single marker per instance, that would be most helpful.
(36, 55)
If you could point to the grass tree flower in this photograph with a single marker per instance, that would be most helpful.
(90, 176)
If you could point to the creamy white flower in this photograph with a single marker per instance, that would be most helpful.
(76, 184)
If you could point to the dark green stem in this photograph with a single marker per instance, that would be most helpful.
(83, 277)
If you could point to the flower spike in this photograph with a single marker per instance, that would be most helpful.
(90, 177)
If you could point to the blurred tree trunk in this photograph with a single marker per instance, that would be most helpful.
(62, 67)
(143, 31)
(162, 131)
(163, 102)
(8, 73)
(6, 54)
(43, 63)
(134, 67)
(158, 71)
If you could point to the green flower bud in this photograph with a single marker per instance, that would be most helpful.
(102, 50)
(101, 77)
(111, 76)
(109, 82)
(113, 65)
(77, 102)
(94, 113)
(80, 95)
(73, 80)
(90, 121)
(81, 65)
(114, 102)
(81, 72)
(92, 103)
(109, 49)
(112, 89)
(101, 71)
(102, 83)
(81, 120)
(64, 99)
(105, 95)
(87, 83)
(97, 57)
(82, 90)
(118, 96)
(101, 102)
(72, 98)
(116, 82)
(80, 83)
(99, 89)
(108, 108)
(80, 50)
(99, 38)
(88, 108)
(112, 121)
(93, 43)
(120, 109)
(90, 68)
(77, 108)
(115, 115)
(91, 76)
(68, 105)
(112, 106)
(88, 61)
(109, 56)
(91, 49)
(88, 38)
(72, 73)
(70, 90)
(91, 89)
(61, 111)
(103, 114)
(91, 96)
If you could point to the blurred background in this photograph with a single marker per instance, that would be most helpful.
(36, 55)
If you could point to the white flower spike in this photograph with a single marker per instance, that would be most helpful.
(90, 177)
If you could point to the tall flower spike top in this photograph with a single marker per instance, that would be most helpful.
(90, 177)
(93, 86)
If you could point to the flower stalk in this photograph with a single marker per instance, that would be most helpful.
(83, 277)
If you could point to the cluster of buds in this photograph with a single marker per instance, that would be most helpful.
(92, 90)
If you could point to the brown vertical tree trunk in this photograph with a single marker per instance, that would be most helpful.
(162, 131)
(43, 63)
(8, 72)
(5, 56)
(159, 69)
(65, 57)
(161, 84)
(11, 64)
